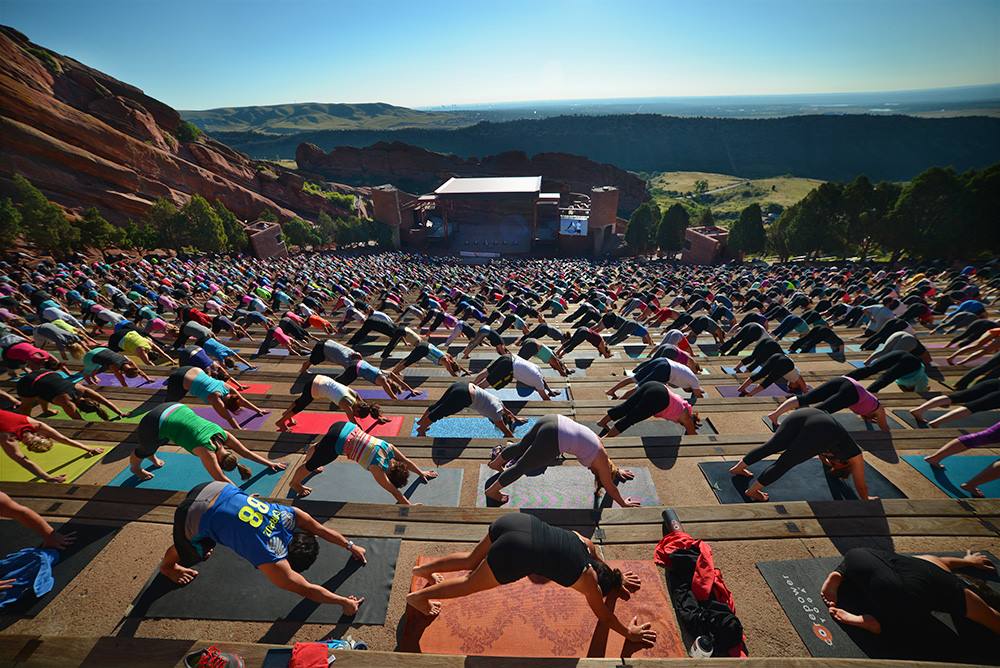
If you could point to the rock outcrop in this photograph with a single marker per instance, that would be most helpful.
(419, 170)
(87, 139)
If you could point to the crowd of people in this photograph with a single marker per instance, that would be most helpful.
(70, 328)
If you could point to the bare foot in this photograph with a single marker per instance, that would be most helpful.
(143, 474)
(500, 497)
(933, 464)
(425, 571)
(302, 491)
(918, 416)
(845, 617)
(157, 462)
(423, 605)
(759, 495)
(741, 469)
(774, 420)
(179, 574)
(974, 492)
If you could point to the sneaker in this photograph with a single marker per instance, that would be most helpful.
(211, 657)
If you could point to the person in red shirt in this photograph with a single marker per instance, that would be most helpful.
(17, 429)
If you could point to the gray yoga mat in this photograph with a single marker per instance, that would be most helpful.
(851, 422)
(806, 482)
(565, 486)
(228, 587)
(976, 421)
(90, 540)
(655, 427)
(796, 585)
(348, 482)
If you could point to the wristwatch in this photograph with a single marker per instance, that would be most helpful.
(350, 545)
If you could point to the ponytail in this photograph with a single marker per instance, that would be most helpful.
(230, 461)
(608, 579)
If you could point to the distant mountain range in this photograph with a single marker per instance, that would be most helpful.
(311, 116)
(827, 147)
(314, 116)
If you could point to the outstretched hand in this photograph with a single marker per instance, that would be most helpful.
(979, 560)
(631, 582)
(642, 634)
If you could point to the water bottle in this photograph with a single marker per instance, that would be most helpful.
(702, 647)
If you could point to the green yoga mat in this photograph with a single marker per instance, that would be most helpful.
(60, 460)
(60, 414)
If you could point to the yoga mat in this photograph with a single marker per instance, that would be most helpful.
(244, 417)
(977, 421)
(229, 588)
(525, 393)
(348, 482)
(957, 469)
(796, 585)
(730, 391)
(850, 421)
(636, 352)
(565, 486)
(547, 621)
(436, 372)
(731, 370)
(709, 349)
(60, 460)
(935, 345)
(255, 388)
(90, 540)
(469, 427)
(318, 423)
(848, 347)
(857, 364)
(60, 414)
(379, 393)
(182, 471)
(109, 380)
(806, 482)
(655, 427)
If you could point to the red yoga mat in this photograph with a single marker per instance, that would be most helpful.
(256, 388)
(542, 620)
(318, 423)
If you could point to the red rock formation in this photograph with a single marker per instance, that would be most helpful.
(87, 139)
(413, 168)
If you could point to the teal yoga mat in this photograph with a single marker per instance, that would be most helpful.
(470, 427)
(956, 470)
(182, 471)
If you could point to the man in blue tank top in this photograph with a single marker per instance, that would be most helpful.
(280, 541)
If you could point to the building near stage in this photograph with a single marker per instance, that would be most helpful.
(706, 245)
(494, 216)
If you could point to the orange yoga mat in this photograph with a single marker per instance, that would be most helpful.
(318, 423)
(543, 620)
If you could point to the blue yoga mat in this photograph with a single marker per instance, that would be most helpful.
(856, 364)
(525, 393)
(957, 469)
(379, 393)
(477, 427)
(182, 471)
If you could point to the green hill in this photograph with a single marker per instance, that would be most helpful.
(726, 195)
(313, 116)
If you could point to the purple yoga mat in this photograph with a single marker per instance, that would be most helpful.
(246, 418)
(109, 380)
(935, 345)
(381, 394)
(730, 391)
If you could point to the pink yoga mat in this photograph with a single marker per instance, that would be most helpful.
(256, 388)
(319, 423)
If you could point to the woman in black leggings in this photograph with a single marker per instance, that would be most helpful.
(747, 334)
(806, 433)
(521, 545)
(884, 332)
(821, 334)
(463, 394)
(541, 331)
(894, 593)
(49, 387)
(983, 396)
(649, 399)
(899, 365)
(777, 367)
(836, 395)
(973, 332)
(762, 352)
(580, 335)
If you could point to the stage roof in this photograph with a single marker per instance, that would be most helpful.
(491, 185)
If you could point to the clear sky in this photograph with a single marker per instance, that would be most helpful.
(215, 53)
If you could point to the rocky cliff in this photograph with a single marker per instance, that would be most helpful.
(87, 139)
(418, 170)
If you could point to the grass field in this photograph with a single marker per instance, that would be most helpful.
(727, 195)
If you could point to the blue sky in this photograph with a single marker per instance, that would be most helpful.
(214, 53)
